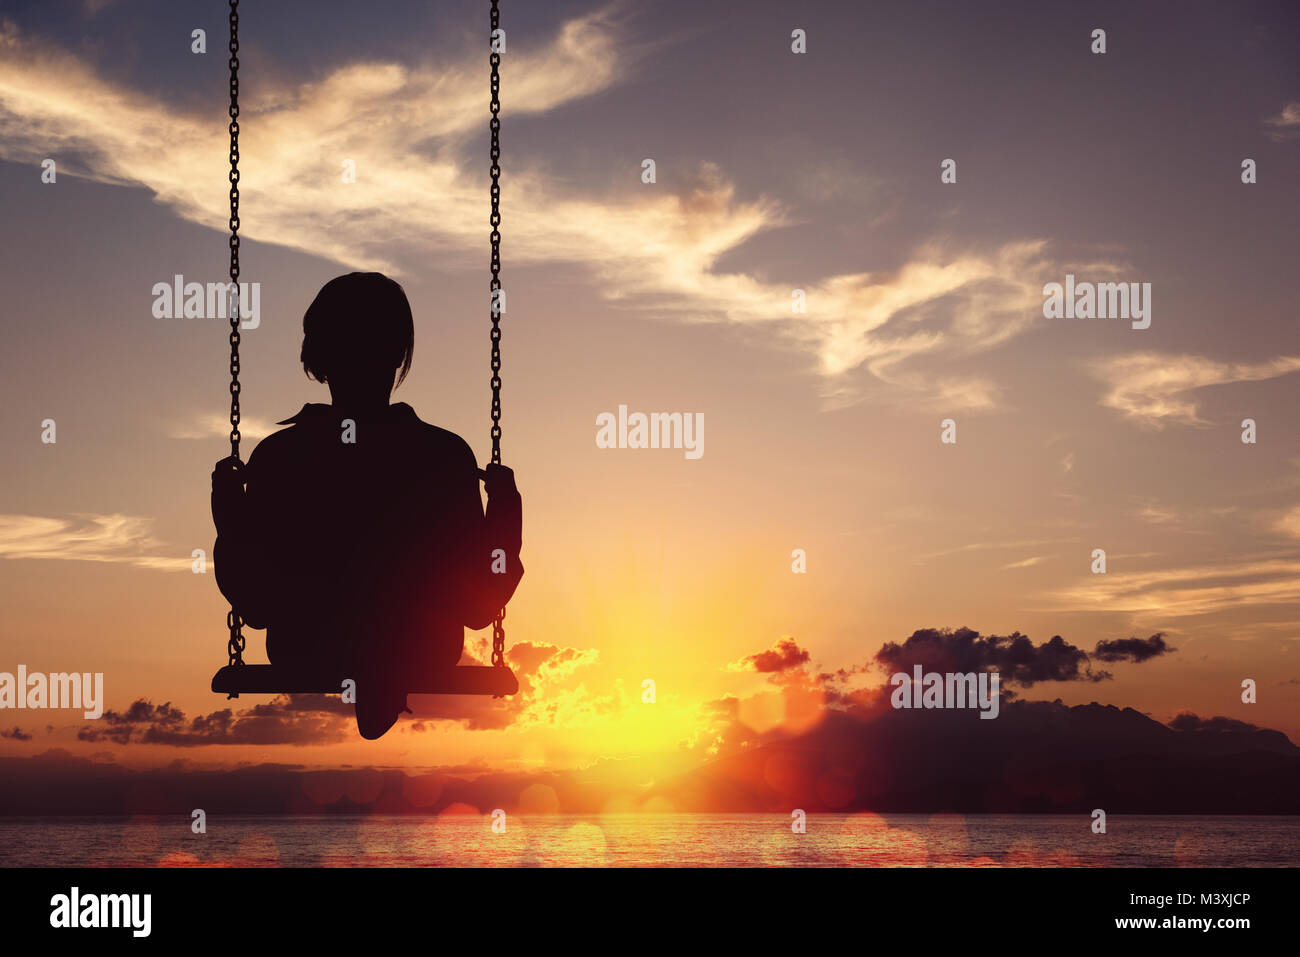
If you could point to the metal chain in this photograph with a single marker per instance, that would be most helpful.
(494, 59)
(494, 125)
(234, 622)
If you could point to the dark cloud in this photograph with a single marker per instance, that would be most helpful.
(1136, 650)
(782, 656)
(1191, 722)
(17, 734)
(288, 719)
(1018, 660)
(1014, 656)
(863, 700)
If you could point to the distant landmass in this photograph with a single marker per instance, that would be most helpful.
(1036, 757)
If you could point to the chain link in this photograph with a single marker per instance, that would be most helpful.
(235, 647)
(494, 125)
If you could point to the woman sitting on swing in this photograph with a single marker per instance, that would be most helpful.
(357, 537)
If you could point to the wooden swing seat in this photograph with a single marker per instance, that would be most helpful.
(269, 679)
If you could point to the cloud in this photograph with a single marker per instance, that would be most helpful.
(988, 546)
(1192, 591)
(1014, 656)
(399, 124)
(1157, 515)
(940, 305)
(420, 192)
(1136, 650)
(1188, 721)
(547, 696)
(288, 719)
(1026, 563)
(782, 656)
(217, 425)
(16, 734)
(92, 538)
(1289, 523)
(550, 692)
(1286, 124)
(1154, 389)
(803, 698)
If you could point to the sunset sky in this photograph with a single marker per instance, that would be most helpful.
(776, 171)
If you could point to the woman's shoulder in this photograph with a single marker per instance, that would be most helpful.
(303, 431)
(446, 441)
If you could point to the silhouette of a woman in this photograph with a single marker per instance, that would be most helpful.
(357, 537)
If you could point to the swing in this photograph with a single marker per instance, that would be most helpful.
(238, 678)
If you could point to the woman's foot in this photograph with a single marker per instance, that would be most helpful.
(378, 708)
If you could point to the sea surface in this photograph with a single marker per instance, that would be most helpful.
(654, 840)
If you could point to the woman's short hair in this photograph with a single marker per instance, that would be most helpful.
(361, 320)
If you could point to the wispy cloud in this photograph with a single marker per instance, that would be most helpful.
(989, 546)
(1286, 124)
(1157, 515)
(1155, 389)
(1174, 592)
(1289, 523)
(940, 304)
(87, 538)
(210, 425)
(419, 192)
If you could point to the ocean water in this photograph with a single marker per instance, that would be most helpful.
(654, 840)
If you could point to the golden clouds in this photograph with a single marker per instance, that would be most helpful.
(1155, 389)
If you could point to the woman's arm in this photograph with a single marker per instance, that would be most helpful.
(238, 552)
(492, 567)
